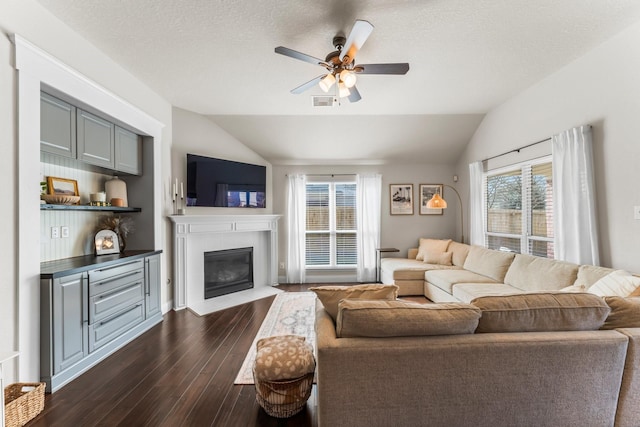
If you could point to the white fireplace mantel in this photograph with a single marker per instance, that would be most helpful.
(194, 234)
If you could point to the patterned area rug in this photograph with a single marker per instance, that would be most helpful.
(292, 313)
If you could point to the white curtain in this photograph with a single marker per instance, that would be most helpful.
(368, 202)
(476, 207)
(574, 213)
(296, 226)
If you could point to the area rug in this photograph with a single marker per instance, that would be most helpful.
(291, 313)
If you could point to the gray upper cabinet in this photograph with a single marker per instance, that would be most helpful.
(96, 140)
(57, 126)
(128, 152)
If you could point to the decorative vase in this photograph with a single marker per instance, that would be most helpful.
(116, 189)
(122, 242)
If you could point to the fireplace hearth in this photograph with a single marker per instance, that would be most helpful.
(227, 271)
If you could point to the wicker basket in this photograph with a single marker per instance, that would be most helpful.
(283, 399)
(21, 406)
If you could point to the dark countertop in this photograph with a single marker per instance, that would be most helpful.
(67, 266)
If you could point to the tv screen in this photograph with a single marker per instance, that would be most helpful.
(224, 183)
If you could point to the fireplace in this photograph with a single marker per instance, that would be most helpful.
(227, 271)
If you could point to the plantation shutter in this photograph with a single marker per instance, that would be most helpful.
(346, 251)
(540, 213)
(318, 244)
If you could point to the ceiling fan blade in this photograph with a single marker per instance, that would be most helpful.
(299, 55)
(354, 96)
(308, 85)
(397, 68)
(358, 35)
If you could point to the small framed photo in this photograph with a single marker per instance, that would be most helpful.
(62, 186)
(401, 199)
(427, 191)
(106, 242)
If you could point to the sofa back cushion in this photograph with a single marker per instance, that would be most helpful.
(541, 312)
(460, 252)
(362, 318)
(330, 296)
(533, 273)
(433, 247)
(488, 262)
(625, 313)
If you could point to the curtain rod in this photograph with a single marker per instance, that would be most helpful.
(517, 150)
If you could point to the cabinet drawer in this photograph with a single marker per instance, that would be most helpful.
(108, 303)
(102, 332)
(108, 278)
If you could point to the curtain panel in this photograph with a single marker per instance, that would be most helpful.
(296, 227)
(368, 202)
(476, 204)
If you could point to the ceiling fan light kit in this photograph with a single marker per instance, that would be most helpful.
(341, 65)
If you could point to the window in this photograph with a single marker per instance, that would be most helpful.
(519, 208)
(331, 225)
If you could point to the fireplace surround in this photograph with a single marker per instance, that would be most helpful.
(196, 234)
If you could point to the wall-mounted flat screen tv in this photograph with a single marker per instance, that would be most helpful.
(224, 183)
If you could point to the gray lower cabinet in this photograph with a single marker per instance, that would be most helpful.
(87, 316)
(96, 140)
(57, 126)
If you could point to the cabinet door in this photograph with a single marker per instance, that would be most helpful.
(96, 141)
(57, 126)
(128, 152)
(152, 285)
(70, 321)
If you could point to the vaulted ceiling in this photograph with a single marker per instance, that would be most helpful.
(216, 58)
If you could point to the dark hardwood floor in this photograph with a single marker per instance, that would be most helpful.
(180, 373)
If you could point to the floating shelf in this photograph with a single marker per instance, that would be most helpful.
(49, 207)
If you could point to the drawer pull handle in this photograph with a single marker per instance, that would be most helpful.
(119, 265)
(104, 322)
(119, 290)
(117, 278)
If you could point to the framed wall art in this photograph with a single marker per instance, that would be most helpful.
(426, 193)
(62, 186)
(401, 199)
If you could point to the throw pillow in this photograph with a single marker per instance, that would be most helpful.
(363, 318)
(541, 312)
(618, 283)
(431, 246)
(625, 313)
(330, 296)
(441, 258)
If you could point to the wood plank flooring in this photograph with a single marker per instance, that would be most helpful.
(180, 373)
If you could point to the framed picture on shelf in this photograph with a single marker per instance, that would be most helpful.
(401, 199)
(106, 242)
(62, 186)
(426, 193)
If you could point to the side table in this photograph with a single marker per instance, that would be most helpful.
(379, 252)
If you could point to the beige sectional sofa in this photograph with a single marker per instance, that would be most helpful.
(477, 271)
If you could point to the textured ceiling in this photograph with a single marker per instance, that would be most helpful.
(216, 58)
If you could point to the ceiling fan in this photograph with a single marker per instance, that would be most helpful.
(341, 66)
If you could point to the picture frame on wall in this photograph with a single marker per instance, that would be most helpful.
(62, 186)
(401, 199)
(426, 193)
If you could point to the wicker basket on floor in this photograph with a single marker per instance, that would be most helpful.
(284, 398)
(20, 405)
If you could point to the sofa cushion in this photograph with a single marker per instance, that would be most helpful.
(460, 252)
(361, 318)
(466, 292)
(410, 269)
(541, 312)
(618, 283)
(625, 313)
(590, 274)
(438, 258)
(432, 246)
(488, 262)
(330, 296)
(445, 279)
(533, 273)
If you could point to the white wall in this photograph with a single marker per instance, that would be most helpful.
(601, 88)
(32, 22)
(399, 231)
